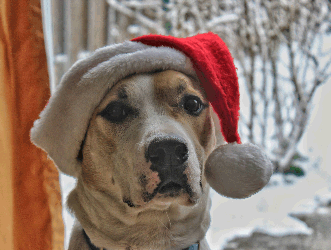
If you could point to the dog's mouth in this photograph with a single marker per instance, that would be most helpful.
(166, 192)
(170, 188)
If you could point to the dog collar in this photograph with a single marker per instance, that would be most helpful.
(93, 247)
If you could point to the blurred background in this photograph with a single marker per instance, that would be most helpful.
(282, 51)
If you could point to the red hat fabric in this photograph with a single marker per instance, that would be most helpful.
(215, 69)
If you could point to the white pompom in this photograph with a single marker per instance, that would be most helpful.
(238, 170)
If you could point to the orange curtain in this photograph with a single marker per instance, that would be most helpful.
(30, 198)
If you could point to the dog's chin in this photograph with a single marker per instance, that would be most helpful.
(180, 198)
(163, 202)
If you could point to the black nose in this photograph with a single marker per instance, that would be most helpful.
(167, 152)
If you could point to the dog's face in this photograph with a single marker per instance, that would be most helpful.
(148, 141)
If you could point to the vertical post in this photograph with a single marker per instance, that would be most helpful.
(97, 20)
(123, 23)
(73, 30)
(58, 39)
(112, 30)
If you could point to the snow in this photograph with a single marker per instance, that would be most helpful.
(267, 211)
(323, 210)
(324, 199)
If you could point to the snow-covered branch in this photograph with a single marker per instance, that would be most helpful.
(283, 39)
(154, 26)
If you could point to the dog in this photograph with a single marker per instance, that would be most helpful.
(143, 128)
(142, 184)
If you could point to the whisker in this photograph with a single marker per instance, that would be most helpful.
(163, 224)
(168, 218)
(170, 234)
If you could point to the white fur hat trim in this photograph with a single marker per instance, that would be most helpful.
(63, 123)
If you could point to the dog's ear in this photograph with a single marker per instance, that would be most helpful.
(238, 170)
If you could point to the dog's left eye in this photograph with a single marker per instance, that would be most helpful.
(116, 112)
(193, 105)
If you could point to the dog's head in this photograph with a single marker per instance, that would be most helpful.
(149, 139)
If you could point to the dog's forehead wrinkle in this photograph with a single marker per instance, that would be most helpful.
(181, 87)
(140, 88)
(136, 89)
(122, 94)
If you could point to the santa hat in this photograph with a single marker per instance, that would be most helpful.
(63, 123)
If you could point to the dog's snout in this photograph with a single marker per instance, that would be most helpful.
(167, 152)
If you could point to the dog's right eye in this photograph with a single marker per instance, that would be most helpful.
(116, 112)
(193, 105)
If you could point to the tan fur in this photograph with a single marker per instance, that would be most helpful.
(114, 169)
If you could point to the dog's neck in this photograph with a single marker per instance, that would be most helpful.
(119, 229)
(194, 246)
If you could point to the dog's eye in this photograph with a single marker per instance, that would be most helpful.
(115, 112)
(193, 105)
